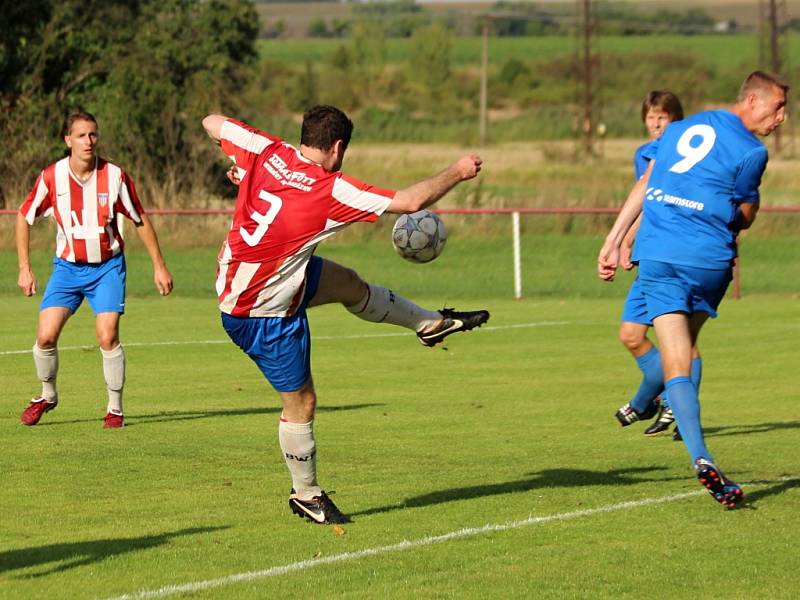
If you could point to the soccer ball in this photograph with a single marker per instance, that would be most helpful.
(419, 237)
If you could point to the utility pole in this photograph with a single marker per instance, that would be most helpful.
(588, 80)
(484, 79)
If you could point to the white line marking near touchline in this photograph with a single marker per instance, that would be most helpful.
(313, 337)
(399, 547)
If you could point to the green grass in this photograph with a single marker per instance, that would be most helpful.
(513, 420)
(719, 50)
(477, 262)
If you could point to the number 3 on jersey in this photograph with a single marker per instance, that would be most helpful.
(694, 154)
(263, 220)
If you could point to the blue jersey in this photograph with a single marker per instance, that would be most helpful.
(705, 167)
(640, 160)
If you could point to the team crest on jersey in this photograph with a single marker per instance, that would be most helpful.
(102, 199)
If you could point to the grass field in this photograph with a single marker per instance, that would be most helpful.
(718, 50)
(492, 469)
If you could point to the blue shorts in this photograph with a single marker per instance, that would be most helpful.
(102, 284)
(280, 346)
(671, 288)
(635, 308)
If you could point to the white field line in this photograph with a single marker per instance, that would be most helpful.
(313, 337)
(468, 532)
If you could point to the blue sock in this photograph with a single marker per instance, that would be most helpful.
(652, 382)
(686, 408)
(697, 373)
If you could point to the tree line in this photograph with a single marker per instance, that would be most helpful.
(148, 69)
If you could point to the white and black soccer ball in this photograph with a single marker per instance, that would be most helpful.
(419, 237)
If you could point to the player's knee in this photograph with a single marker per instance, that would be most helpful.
(310, 405)
(107, 340)
(353, 287)
(46, 339)
(354, 280)
(307, 399)
(632, 339)
(305, 406)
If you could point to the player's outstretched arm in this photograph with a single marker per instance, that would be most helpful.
(26, 279)
(161, 275)
(213, 126)
(608, 258)
(426, 192)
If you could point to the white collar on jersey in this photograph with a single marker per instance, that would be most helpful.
(78, 179)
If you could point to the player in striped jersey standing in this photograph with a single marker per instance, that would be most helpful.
(86, 195)
(290, 200)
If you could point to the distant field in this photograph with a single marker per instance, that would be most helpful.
(525, 174)
(717, 50)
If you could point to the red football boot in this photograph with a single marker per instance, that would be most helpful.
(35, 410)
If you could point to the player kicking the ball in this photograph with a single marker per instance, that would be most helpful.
(699, 191)
(290, 200)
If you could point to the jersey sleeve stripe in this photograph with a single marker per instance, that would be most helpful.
(361, 197)
(32, 204)
(129, 200)
(344, 213)
(249, 141)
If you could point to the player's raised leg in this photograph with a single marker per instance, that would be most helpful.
(45, 358)
(339, 284)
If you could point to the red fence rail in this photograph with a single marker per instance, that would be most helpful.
(442, 211)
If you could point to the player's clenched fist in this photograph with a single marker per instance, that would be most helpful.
(469, 166)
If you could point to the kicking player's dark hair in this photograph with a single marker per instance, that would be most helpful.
(663, 100)
(323, 125)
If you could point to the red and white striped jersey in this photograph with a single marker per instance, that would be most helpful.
(86, 213)
(285, 207)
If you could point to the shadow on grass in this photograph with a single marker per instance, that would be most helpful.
(191, 415)
(55, 558)
(748, 429)
(543, 479)
(751, 498)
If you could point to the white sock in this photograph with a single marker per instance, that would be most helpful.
(114, 371)
(300, 453)
(46, 361)
(380, 305)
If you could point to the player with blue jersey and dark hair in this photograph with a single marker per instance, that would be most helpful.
(700, 190)
(659, 109)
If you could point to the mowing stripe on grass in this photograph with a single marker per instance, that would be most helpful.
(313, 337)
(468, 532)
